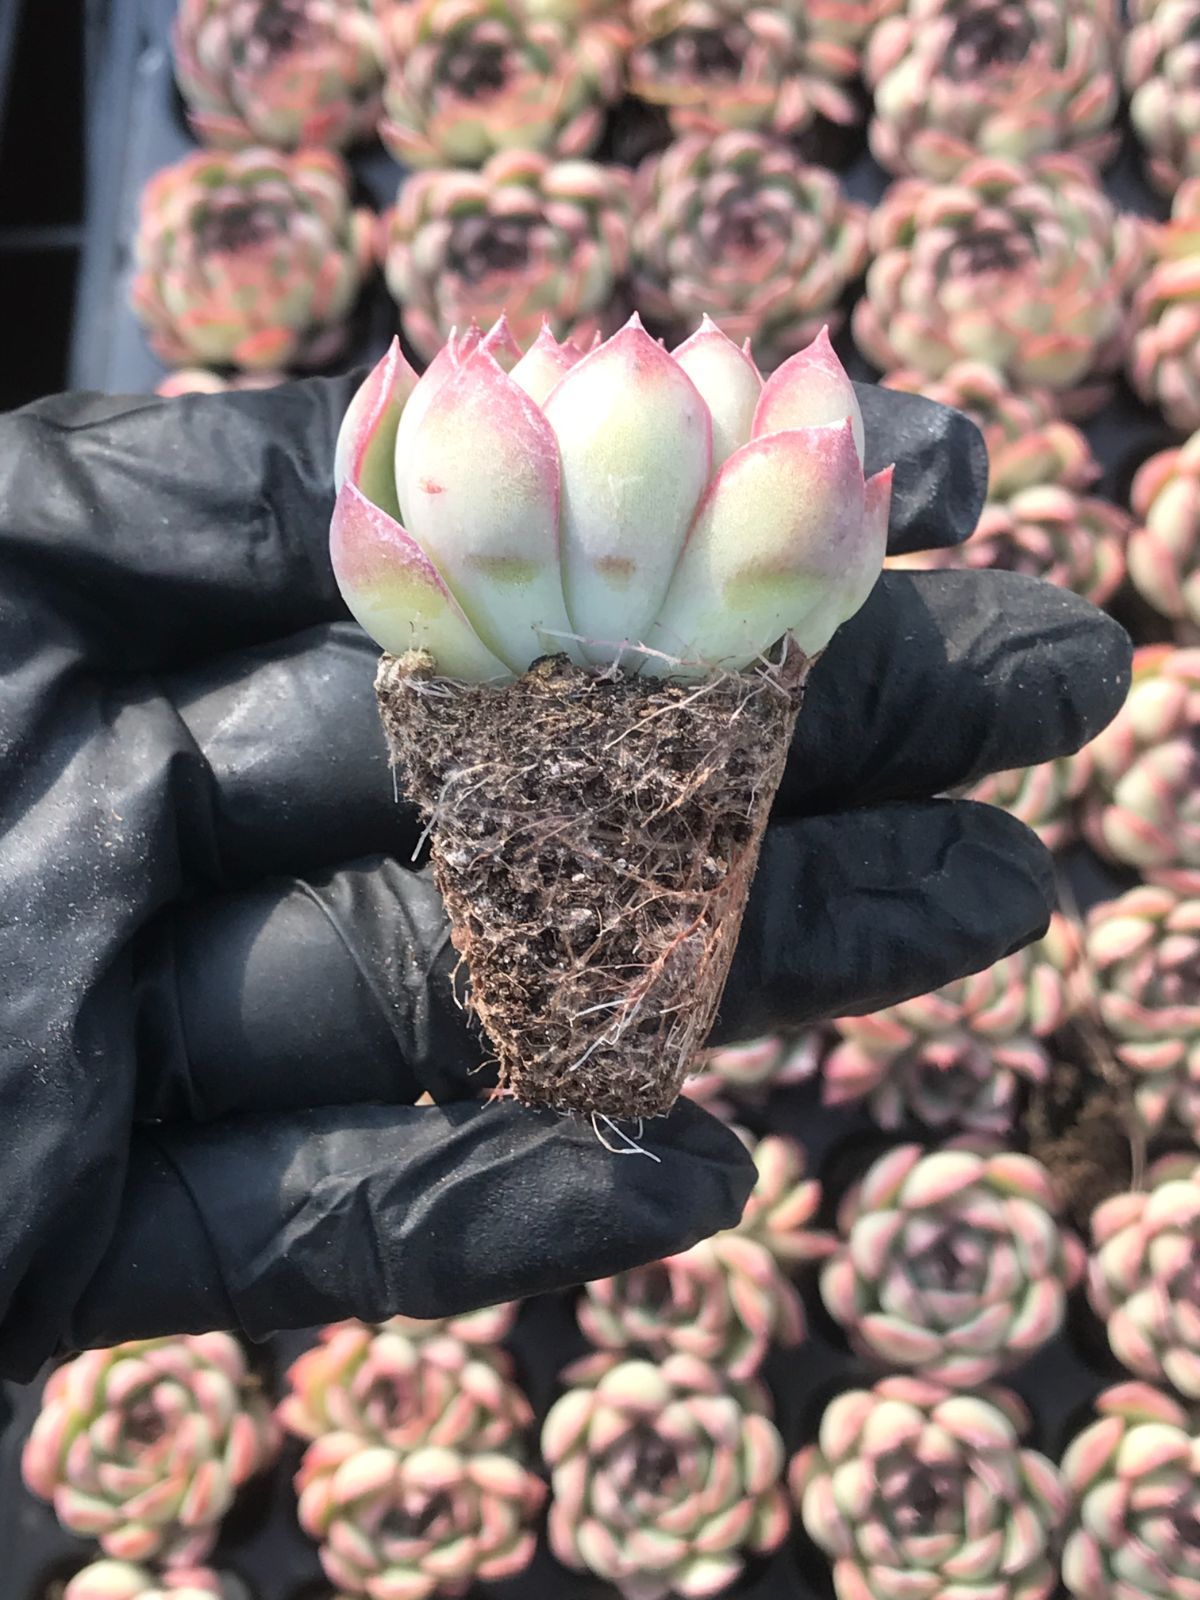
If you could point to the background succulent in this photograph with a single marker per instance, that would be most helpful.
(279, 72)
(1143, 805)
(1045, 798)
(738, 228)
(953, 79)
(750, 1071)
(200, 380)
(1164, 355)
(469, 78)
(1144, 949)
(1030, 271)
(414, 1524)
(915, 1490)
(1161, 69)
(716, 64)
(663, 1479)
(253, 259)
(1164, 549)
(1144, 1274)
(404, 1388)
(143, 1447)
(1133, 1483)
(952, 1263)
(1038, 518)
(956, 1057)
(727, 1300)
(121, 1580)
(534, 239)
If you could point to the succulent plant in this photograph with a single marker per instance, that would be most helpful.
(1045, 798)
(1164, 352)
(1144, 949)
(672, 421)
(143, 1447)
(542, 242)
(914, 1490)
(1144, 1270)
(469, 78)
(1038, 518)
(1143, 806)
(750, 1071)
(409, 1525)
(279, 72)
(1028, 270)
(952, 1264)
(740, 228)
(1164, 548)
(724, 1301)
(663, 1477)
(1160, 69)
(404, 1389)
(121, 1580)
(956, 79)
(716, 64)
(199, 380)
(956, 1058)
(487, 1327)
(727, 1299)
(252, 259)
(1133, 1485)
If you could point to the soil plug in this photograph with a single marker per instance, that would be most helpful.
(601, 580)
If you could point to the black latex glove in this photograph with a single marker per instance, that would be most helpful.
(223, 982)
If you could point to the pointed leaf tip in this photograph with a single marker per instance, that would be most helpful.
(810, 388)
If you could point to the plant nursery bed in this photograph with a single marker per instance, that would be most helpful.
(135, 126)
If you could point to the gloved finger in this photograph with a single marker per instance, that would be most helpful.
(170, 530)
(941, 467)
(851, 913)
(291, 736)
(340, 990)
(266, 1223)
(944, 677)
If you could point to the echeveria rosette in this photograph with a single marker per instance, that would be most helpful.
(285, 73)
(468, 78)
(404, 1389)
(1144, 949)
(1038, 517)
(915, 1490)
(664, 1478)
(539, 241)
(738, 228)
(1143, 806)
(1144, 1274)
(411, 1525)
(750, 1072)
(957, 1057)
(717, 64)
(143, 1447)
(252, 259)
(726, 1300)
(952, 1263)
(1132, 1479)
(1161, 69)
(1028, 270)
(1045, 798)
(122, 1580)
(1164, 355)
(1016, 79)
(1164, 548)
(629, 497)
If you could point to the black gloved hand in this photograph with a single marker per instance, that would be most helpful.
(224, 984)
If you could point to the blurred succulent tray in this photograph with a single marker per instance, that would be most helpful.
(135, 126)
